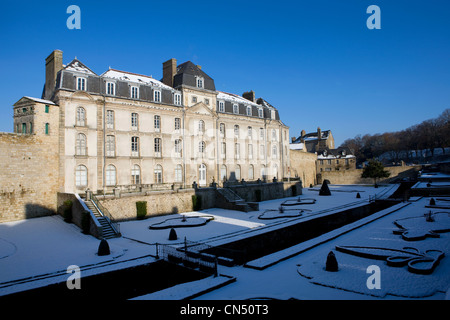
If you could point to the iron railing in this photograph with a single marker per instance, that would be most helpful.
(104, 212)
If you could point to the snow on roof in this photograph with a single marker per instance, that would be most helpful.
(235, 98)
(296, 146)
(78, 66)
(134, 77)
(40, 100)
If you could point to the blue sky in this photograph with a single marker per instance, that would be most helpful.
(316, 61)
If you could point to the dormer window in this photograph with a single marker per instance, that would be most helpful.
(200, 82)
(157, 96)
(235, 109)
(81, 84)
(325, 153)
(260, 113)
(249, 110)
(177, 99)
(221, 106)
(134, 93)
(111, 88)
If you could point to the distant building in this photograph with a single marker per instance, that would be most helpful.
(314, 141)
(335, 160)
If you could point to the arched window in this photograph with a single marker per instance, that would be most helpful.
(110, 175)
(251, 174)
(81, 176)
(158, 174)
(80, 145)
(178, 173)
(135, 174)
(81, 117)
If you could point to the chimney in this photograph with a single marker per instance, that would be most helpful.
(319, 133)
(303, 133)
(53, 64)
(200, 67)
(249, 96)
(169, 71)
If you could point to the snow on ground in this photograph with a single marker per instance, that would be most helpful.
(42, 249)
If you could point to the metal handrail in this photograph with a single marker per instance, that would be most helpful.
(104, 212)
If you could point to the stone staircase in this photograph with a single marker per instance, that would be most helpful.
(107, 230)
(232, 201)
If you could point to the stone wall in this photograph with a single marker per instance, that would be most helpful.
(303, 166)
(354, 176)
(28, 176)
(177, 201)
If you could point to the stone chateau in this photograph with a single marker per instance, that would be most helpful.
(127, 131)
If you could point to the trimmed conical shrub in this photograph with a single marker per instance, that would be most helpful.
(173, 234)
(103, 248)
(324, 190)
(331, 264)
(432, 202)
(358, 195)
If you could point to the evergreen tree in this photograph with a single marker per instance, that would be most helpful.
(375, 170)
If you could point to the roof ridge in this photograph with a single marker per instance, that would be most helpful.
(136, 74)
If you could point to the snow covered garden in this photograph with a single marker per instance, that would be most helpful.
(375, 260)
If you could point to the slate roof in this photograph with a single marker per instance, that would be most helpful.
(187, 73)
(341, 152)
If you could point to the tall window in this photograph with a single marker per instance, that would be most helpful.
(47, 128)
(111, 88)
(237, 172)
(178, 148)
(157, 123)
(251, 172)
(235, 108)
(157, 96)
(261, 151)
(250, 151)
(274, 135)
(222, 130)
(135, 174)
(201, 126)
(177, 99)
(250, 132)
(261, 133)
(158, 174)
(274, 151)
(177, 124)
(223, 172)
(24, 128)
(80, 146)
(81, 117)
(237, 151)
(178, 173)
(109, 119)
(110, 146)
(135, 146)
(236, 131)
(134, 121)
(81, 84)
(81, 176)
(134, 93)
(110, 175)
(249, 110)
(157, 147)
(201, 147)
(221, 106)
(223, 150)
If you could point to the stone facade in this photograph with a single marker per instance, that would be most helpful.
(303, 166)
(29, 177)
